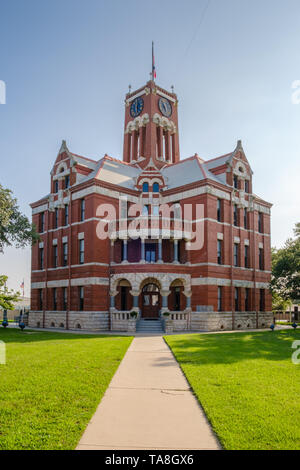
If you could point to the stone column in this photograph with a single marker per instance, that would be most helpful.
(135, 294)
(175, 261)
(125, 251)
(160, 260)
(142, 260)
(164, 300)
(112, 301)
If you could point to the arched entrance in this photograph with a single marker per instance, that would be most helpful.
(150, 301)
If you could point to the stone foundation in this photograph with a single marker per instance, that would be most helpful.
(77, 320)
(213, 321)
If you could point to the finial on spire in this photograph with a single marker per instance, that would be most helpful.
(129, 88)
(172, 88)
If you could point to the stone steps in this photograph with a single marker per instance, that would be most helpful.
(149, 326)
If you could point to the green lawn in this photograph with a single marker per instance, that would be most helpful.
(247, 385)
(52, 384)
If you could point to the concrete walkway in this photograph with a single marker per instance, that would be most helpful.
(148, 405)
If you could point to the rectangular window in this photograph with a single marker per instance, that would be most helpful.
(56, 218)
(67, 181)
(261, 259)
(41, 258)
(81, 298)
(55, 256)
(261, 300)
(42, 222)
(246, 219)
(246, 256)
(40, 299)
(145, 210)
(220, 252)
(54, 293)
(82, 210)
(247, 186)
(260, 223)
(65, 254)
(66, 214)
(247, 299)
(56, 186)
(219, 211)
(236, 254)
(237, 299)
(235, 182)
(150, 252)
(81, 251)
(155, 211)
(220, 299)
(65, 298)
(235, 215)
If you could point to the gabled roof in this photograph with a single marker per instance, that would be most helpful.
(114, 171)
(187, 171)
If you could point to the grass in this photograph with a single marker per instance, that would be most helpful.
(51, 386)
(247, 385)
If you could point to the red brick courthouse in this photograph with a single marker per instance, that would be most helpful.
(206, 261)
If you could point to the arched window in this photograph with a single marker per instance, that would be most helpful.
(145, 187)
(156, 188)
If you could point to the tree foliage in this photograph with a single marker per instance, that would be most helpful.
(7, 296)
(15, 228)
(286, 269)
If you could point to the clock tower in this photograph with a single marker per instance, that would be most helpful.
(151, 127)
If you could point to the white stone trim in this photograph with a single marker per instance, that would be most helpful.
(38, 285)
(81, 236)
(220, 236)
(246, 242)
(140, 93)
(214, 281)
(164, 95)
(83, 281)
(65, 239)
(260, 245)
(237, 240)
(90, 281)
(39, 209)
(41, 245)
(54, 242)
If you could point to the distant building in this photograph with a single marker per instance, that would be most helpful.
(82, 281)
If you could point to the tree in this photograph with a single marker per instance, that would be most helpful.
(285, 281)
(7, 296)
(15, 227)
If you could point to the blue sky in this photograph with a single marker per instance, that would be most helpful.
(67, 65)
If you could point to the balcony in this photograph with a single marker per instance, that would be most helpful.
(149, 251)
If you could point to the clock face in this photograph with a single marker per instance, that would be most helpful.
(137, 107)
(165, 107)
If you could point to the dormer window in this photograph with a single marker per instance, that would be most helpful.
(145, 187)
(155, 188)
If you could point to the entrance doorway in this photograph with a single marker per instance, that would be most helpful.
(150, 301)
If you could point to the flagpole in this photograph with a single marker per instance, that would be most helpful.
(152, 61)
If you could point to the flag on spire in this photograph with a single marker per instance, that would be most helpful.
(153, 63)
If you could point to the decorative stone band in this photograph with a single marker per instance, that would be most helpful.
(214, 281)
(207, 189)
(83, 281)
